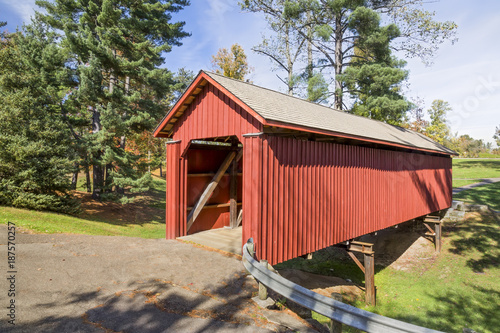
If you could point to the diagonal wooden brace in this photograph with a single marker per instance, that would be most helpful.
(212, 186)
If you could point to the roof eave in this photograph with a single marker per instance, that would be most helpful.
(355, 137)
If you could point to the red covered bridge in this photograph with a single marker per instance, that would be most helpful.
(298, 176)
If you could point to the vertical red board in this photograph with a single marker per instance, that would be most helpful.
(340, 192)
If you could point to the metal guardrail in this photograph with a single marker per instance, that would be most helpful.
(338, 311)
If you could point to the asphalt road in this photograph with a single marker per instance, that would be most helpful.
(78, 283)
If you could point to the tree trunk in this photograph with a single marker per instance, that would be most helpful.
(87, 174)
(74, 179)
(109, 179)
(309, 48)
(338, 63)
(123, 138)
(98, 170)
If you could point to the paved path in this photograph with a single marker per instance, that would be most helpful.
(78, 283)
(485, 181)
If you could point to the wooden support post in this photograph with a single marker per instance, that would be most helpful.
(233, 195)
(369, 261)
(368, 269)
(336, 326)
(211, 187)
(437, 228)
(263, 288)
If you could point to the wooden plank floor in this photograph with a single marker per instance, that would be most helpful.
(225, 239)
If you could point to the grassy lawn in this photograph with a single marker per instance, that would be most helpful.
(50, 223)
(456, 289)
(144, 218)
(459, 288)
(469, 171)
(484, 195)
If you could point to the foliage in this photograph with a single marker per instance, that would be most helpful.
(351, 40)
(115, 50)
(466, 146)
(438, 130)
(420, 34)
(35, 148)
(496, 136)
(375, 87)
(317, 88)
(231, 63)
(284, 48)
(415, 119)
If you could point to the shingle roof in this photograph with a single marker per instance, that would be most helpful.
(275, 106)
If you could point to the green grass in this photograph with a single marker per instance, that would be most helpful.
(47, 222)
(483, 195)
(469, 171)
(457, 289)
(148, 225)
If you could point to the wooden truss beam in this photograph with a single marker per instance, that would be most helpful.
(436, 233)
(207, 193)
(368, 267)
(240, 218)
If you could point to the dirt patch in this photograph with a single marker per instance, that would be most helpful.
(138, 211)
(401, 248)
(321, 284)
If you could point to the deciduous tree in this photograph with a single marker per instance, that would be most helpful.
(438, 129)
(358, 34)
(231, 63)
(496, 136)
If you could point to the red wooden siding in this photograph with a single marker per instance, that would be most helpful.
(213, 114)
(298, 196)
(176, 185)
(304, 196)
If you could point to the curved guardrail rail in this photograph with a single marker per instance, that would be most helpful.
(341, 312)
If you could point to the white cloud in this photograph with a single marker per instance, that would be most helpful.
(23, 8)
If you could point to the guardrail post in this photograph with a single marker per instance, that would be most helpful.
(263, 288)
(336, 326)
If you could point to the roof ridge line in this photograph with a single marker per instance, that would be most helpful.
(302, 99)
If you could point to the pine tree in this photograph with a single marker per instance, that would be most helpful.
(36, 153)
(116, 49)
(335, 29)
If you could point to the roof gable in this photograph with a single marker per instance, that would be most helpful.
(272, 108)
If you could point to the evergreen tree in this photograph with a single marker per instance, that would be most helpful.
(374, 76)
(341, 34)
(36, 154)
(116, 49)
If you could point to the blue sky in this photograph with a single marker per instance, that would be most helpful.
(466, 74)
